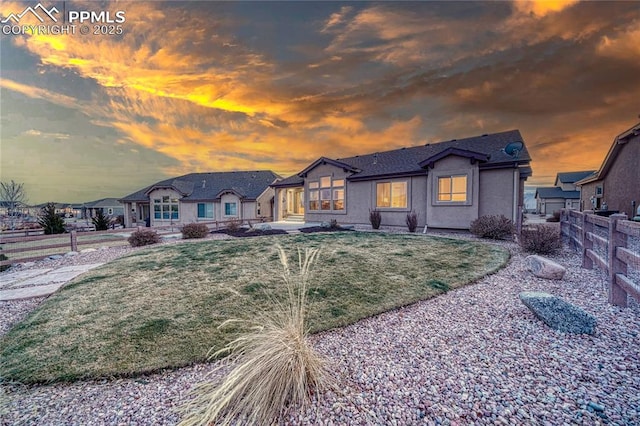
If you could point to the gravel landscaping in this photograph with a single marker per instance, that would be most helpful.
(475, 355)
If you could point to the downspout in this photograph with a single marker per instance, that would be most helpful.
(426, 202)
(516, 198)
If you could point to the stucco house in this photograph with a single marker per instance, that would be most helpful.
(616, 184)
(563, 195)
(202, 197)
(108, 206)
(448, 184)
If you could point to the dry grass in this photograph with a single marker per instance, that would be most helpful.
(161, 307)
(272, 366)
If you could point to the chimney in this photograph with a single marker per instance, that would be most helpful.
(204, 183)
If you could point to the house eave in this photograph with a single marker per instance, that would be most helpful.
(387, 176)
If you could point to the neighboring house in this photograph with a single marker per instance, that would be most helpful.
(563, 195)
(616, 184)
(108, 206)
(448, 184)
(202, 197)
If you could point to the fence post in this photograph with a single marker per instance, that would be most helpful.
(617, 295)
(587, 244)
(565, 234)
(74, 241)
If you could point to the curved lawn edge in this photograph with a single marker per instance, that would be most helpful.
(160, 308)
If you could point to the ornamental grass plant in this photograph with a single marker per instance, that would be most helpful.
(270, 368)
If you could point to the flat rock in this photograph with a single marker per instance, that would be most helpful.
(71, 253)
(559, 314)
(88, 250)
(545, 268)
(55, 257)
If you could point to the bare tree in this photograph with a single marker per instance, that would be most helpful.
(13, 196)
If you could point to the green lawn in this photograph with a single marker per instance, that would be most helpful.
(161, 307)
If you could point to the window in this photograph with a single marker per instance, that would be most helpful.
(205, 210)
(326, 194)
(165, 208)
(109, 211)
(452, 188)
(230, 209)
(391, 194)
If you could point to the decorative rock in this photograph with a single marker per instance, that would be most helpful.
(325, 225)
(558, 314)
(265, 227)
(596, 406)
(88, 250)
(55, 257)
(545, 268)
(71, 253)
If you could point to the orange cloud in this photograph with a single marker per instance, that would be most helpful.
(541, 8)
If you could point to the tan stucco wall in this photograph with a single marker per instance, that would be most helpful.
(263, 203)
(453, 215)
(229, 198)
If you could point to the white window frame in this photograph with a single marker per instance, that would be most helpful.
(205, 217)
(381, 205)
(317, 193)
(168, 204)
(229, 203)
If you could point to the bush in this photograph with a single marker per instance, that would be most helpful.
(51, 222)
(495, 227)
(144, 237)
(412, 221)
(333, 224)
(194, 230)
(234, 225)
(270, 368)
(3, 257)
(375, 218)
(555, 217)
(100, 221)
(541, 239)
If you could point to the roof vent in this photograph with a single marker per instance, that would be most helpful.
(375, 158)
(453, 140)
(485, 135)
(427, 144)
(204, 183)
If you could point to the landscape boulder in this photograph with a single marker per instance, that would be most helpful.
(545, 268)
(559, 314)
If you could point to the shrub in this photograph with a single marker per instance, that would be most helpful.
(100, 221)
(271, 367)
(375, 218)
(555, 217)
(541, 239)
(3, 257)
(333, 224)
(234, 225)
(194, 230)
(51, 222)
(495, 227)
(144, 237)
(412, 221)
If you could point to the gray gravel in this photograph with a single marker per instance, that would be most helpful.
(475, 355)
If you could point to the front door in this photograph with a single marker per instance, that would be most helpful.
(295, 201)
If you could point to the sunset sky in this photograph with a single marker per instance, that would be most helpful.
(208, 86)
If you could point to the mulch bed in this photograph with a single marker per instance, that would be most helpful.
(243, 232)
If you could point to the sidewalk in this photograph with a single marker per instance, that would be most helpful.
(38, 282)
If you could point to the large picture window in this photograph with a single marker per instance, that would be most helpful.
(165, 208)
(452, 188)
(326, 194)
(391, 194)
(205, 210)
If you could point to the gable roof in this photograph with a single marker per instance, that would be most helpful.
(556, 192)
(103, 202)
(209, 186)
(572, 177)
(488, 149)
(620, 140)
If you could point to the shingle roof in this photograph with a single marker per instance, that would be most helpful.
(556, 192)
(208, 186)
(571, 177)
(407, 161)
(103, 202)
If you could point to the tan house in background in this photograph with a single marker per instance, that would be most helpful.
(202, 197)
(563, 195)
(616, 184)
(447, 184)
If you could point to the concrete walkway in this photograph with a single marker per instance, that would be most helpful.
(38, 282)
